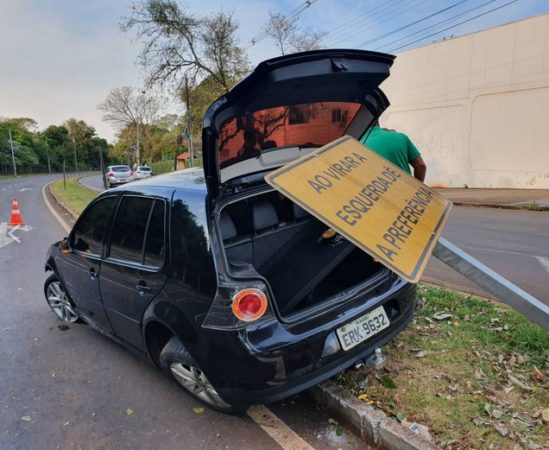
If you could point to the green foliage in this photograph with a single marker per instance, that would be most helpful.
(33, 148)
(161, 167)
(201, 96)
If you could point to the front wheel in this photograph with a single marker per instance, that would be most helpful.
(58, 300)
(178, 362)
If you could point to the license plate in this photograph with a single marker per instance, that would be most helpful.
(363, 328)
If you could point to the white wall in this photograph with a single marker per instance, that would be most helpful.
(477, 106)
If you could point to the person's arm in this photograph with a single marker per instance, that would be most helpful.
(420, 168)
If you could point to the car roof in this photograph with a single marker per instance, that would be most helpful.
(188, 179)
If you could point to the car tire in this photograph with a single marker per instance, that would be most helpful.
(178, 363)
(59, 300)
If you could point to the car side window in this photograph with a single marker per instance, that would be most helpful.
(89, 231)
(154, 243)
(138, 231)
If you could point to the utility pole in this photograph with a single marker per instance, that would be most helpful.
(102, 168)
(47, 153)
(12, 154)
(48, 156)
(189, 121)
(75, 159)
(64, 178)
(137, 147)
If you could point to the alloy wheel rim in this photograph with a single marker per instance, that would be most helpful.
(60, 303)
(194, 381)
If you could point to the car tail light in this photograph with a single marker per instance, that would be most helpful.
(249, 304)
(110, 174)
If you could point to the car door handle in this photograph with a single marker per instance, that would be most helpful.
(93, 273)
(143, 289)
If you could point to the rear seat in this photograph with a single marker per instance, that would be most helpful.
(269, 234)
(264, 218)
(266, 239)
(299, 213)
(238, 248)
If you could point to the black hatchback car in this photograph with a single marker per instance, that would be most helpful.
(224, 284)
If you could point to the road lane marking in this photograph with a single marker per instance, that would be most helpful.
(7, 235)
(282, 434)
(3, 234)
(13, 236)
(544, 262)
(53, 211)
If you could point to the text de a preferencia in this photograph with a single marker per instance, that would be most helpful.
(368, 196)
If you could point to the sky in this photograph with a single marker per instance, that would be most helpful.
(60, 58)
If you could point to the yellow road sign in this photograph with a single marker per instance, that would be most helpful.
(368, 200)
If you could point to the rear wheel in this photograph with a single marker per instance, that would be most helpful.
(178, 362)
(58, 300)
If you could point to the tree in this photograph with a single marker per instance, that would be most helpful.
(282, 30)
(308, 40)
(288, 36)
(80, 134)
(125, 106)
(38, 151)
(177, 44)
(58, 140)
(128, 109)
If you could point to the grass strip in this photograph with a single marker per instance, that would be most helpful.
(76, 197)
(473, 371)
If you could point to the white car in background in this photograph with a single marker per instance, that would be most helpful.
(142, 172)
(119, 174)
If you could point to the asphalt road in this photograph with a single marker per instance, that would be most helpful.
(511, 242)
(77, 389)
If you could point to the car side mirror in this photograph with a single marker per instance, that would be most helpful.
(64, 245)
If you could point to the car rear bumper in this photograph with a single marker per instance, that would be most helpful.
(293, 365)
(114, 180)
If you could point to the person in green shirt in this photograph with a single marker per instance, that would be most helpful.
(395, 147)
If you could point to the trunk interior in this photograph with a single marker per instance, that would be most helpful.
(303, 263)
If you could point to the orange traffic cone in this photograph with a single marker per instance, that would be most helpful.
(16, 218)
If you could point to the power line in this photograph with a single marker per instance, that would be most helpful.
(344, 28)
(415, 22)
(382, 18)
(453, 26)
(290, 18)
(430, 27)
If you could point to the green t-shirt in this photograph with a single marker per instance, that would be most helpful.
(394, 146)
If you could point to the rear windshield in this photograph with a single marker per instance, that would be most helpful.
(120, 168)
(304, 126)
(144, 169)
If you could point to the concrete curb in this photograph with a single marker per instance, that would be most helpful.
(374, 426)
(513, 206)
(88, 187)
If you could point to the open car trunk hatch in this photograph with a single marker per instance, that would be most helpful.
(288, 107)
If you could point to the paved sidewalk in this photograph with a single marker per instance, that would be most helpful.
(502, 198)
